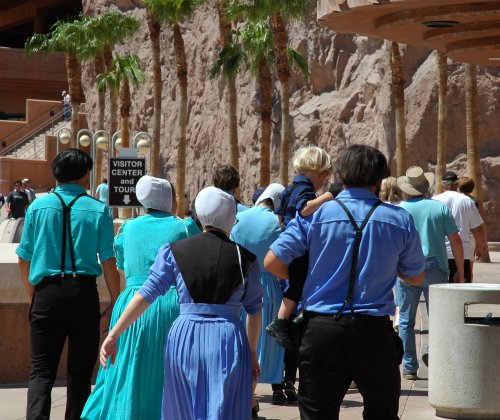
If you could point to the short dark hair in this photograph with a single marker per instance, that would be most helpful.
(105, 180)
(361, 166)
(18, 181)
(71, 165)
(466, 185)
(226, 177)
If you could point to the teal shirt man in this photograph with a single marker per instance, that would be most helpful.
(434, 222)
(92, 230)
(67, 242)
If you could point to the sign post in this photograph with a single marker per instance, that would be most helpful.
(123, 176)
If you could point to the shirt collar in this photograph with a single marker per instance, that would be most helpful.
(302, 179)
(73, 188)
(357, 193)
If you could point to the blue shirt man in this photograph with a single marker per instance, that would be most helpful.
(342, 342)
(64, 234)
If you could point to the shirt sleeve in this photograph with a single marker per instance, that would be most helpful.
(411, 260)
(476, 220)
(118, 245)
(106, 236)
(26, 246)
(303, 197)
(252, 298)
(292, 243)
(161, 276)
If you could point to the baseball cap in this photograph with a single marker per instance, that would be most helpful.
(450, 176)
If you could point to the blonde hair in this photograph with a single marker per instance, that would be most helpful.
(389, 190)
(312, 158)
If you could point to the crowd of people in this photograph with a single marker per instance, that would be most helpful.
(18, 200)
(238, 295)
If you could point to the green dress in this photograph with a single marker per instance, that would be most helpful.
(132, 387)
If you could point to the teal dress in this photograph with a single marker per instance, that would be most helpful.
(132, 387)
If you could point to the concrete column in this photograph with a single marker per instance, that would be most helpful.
(463, 355)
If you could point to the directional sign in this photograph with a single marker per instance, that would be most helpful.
(123, 176)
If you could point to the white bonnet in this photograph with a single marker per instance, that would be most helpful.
(154, 193)
(273, 191)
(215, 208)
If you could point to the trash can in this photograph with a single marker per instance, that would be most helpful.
(464, 350)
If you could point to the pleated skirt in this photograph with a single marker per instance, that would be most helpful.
(132, 387)
(207, 370)
(271, 354)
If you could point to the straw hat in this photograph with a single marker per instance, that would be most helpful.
(415, 182)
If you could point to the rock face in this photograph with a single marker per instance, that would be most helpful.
(345, 100)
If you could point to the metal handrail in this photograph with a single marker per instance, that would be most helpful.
(33, 133)
(56, 109)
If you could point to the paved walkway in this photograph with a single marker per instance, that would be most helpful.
(413, 402)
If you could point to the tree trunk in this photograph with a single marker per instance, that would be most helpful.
(154, 35)
(265, 81)
(101, 101)
(233, 123)
(442, 133)
(232, 98)
(113, 97)
(181, 65)
(280, 49)
(125, 112)
(473, 138)
(73, 70)
(398, 91)
(125, 104)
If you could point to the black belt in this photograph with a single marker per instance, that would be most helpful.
(362, 318)
(68, 279)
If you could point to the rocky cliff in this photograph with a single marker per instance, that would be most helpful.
(346, 100)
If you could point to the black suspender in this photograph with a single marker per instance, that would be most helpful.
(67, 227)
(357, 242)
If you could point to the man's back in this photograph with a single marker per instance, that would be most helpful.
(387, 245)
(434, 223)
(466, 216)
(90, 223)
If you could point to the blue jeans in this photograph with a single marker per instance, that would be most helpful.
(408, 298)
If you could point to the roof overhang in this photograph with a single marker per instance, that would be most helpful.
(467, 31)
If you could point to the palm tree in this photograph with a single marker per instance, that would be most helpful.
(127, 70)
(69, 38)
(171, 12)
(277, 11)
(473, 138)
(258, 44)
(442, 118)
(153, 9)
(104, 31)
(398, 92)
(228, 63)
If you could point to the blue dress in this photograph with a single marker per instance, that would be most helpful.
(207, 355)
(131, 388)
(256, 230)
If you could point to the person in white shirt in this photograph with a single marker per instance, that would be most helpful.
(468, 220)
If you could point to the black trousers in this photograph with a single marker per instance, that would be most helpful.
(63, 308)
(332, 353)
(453, 269)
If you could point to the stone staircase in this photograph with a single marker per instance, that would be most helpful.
(34, 148)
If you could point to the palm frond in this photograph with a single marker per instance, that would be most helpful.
(297, 59)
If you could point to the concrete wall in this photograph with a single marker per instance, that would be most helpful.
(40, 77)
(14, 324)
